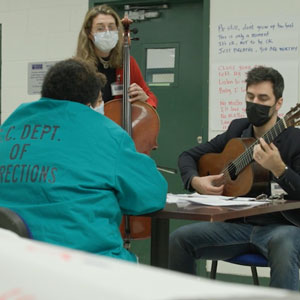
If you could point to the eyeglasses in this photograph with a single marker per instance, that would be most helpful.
(102, 28)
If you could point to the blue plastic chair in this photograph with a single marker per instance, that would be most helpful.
(12, 221)
(252, 260)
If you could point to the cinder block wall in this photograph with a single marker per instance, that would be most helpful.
(34, 31)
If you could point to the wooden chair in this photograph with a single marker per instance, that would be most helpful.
(249, 259)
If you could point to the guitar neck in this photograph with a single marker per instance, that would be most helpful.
(247, 156)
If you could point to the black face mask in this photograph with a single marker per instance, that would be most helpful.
(257, 114)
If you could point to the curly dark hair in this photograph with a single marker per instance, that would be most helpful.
(74, 80)
(260, 74)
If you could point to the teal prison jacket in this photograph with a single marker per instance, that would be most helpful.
(71, 173)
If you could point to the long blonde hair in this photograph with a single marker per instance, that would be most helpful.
(86, 47)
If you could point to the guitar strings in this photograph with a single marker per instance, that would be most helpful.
(241, 162)
(247, 156)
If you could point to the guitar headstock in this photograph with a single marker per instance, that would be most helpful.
(292, 118)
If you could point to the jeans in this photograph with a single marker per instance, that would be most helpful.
(280, 244)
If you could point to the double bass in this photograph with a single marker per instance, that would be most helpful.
(142, 123)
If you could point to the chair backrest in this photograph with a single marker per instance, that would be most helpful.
(12, 221)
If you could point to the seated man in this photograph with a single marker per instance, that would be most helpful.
(70, 172)
(276, 235)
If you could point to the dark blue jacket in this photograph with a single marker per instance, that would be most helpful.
(288, 143)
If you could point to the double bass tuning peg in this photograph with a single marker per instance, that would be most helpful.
(134, 30)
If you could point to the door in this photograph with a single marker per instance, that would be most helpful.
(181, 85)
(172, 52)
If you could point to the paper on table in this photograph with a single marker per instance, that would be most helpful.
(213, 200)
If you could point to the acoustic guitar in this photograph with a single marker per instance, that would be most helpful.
(242, 175)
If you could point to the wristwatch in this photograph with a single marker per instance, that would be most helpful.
(281, 176)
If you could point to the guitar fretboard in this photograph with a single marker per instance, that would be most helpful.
(247, 156)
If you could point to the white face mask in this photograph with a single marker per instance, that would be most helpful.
(107, 40)
(99, 109)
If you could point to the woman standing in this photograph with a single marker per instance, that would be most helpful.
(101, 43)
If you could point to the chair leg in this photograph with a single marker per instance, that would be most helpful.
(254, 275)
(213, 271)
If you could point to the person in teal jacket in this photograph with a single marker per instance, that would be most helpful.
(70, 172)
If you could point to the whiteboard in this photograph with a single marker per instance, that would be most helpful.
(243, 35)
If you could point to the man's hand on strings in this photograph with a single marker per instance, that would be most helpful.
(207, 184)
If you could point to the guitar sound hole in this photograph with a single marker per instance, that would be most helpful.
(232, 171)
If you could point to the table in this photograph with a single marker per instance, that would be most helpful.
(197, 212)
